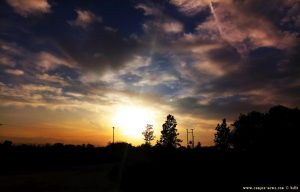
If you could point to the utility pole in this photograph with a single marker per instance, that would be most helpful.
(187, 137)
(113, 135)
(193, 142)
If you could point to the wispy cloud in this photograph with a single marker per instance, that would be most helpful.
(191, 7)
(244, 30)
(172, 27)
(16, 72)
(31, 88)
(47, 61)
(84, 18)
(29, 7)
(9, 53)
(52, 79)
(238, 24)
(149, 10)
(6, 60)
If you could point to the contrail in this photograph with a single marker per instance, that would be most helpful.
(216, 19)
(241, 48)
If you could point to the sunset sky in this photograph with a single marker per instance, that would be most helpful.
(70, 70)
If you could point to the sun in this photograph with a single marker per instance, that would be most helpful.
(132, 120)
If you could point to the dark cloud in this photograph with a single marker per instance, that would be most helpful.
(97, 49)
(224, 60)
(258, 70)
(223, 107)
(256, 85)
(226, 55)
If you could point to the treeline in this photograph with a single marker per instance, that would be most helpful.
(26, 156)
(275, 130)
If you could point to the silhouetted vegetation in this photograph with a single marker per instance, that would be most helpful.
(222, 135)
(264, 152)
(275, 130)
(148, 134)
(169, 133)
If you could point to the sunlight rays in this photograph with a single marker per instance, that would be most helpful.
(132, 120)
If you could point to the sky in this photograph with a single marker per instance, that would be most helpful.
(71, 70)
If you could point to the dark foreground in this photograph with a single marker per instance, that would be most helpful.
(121, 167)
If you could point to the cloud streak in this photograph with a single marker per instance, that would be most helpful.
(16, 72)
(84, 18)
(191, 7)
(30, 7)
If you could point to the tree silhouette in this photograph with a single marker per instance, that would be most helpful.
(222, 135)
(249, 131)
(169, 133)
(282, 128)
(148, 134)
(276, 130)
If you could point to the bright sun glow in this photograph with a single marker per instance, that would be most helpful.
(132, 120)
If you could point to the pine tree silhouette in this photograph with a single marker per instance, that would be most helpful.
(169, 133)
(222, 135)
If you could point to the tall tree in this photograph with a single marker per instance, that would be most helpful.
(222, 135)
(169, 133)
(148, 134)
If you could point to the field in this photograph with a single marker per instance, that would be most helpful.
(121, 167)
